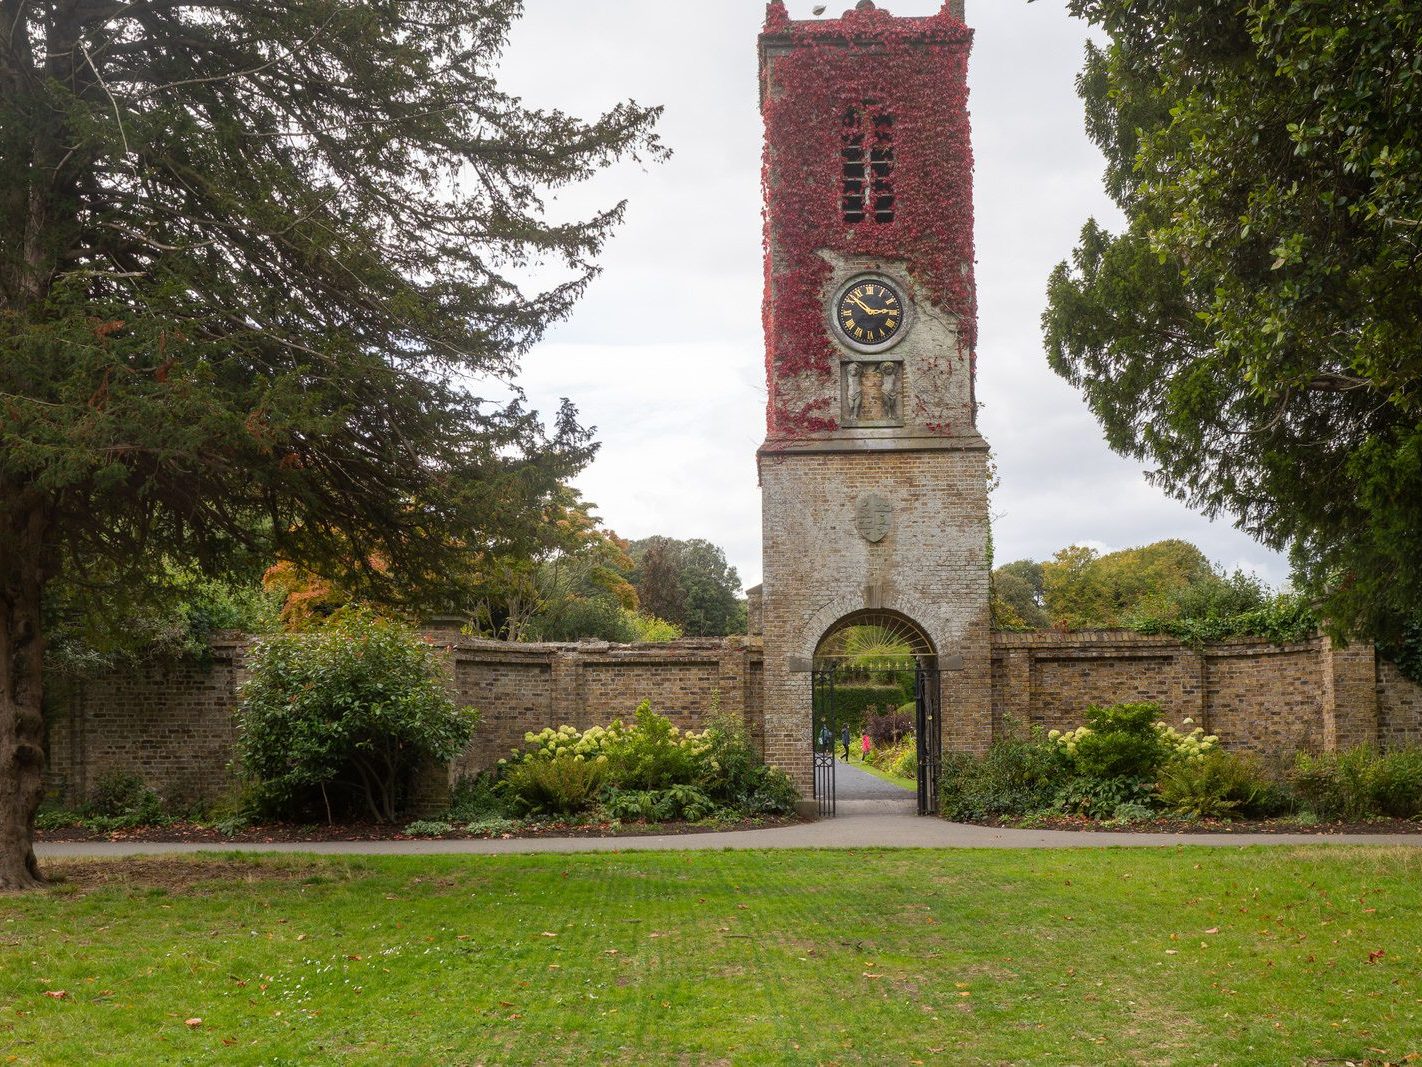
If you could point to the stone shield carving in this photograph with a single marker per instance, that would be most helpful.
(873, 517)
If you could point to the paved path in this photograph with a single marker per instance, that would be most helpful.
(861, 824)
(855, 783)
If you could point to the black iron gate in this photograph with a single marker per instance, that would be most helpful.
(824, 732)
(928, 729)
(826, 725)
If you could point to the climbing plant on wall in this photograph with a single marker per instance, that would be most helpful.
(814, 86)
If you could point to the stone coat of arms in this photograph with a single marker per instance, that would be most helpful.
(873, 517)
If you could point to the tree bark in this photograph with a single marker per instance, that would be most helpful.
(21, 692)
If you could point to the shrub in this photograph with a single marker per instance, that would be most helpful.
(1314, 780)
(1219, 785)
(356, 705)
(1019, 775)
(1118, 798)
(236, 809)
(650, 754)
(563, 785)
(772, 793)
(1396, 783)
(476, 797)
(120, 801)
(1118, 741)
(57, 819)
(737, 778)
(1360, 783)
(654, 754)
(659, 805)
(428, 828)
(491, 825)
(899, 759)
(117, 793)
(890, 727)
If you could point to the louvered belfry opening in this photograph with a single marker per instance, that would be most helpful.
(867, 159)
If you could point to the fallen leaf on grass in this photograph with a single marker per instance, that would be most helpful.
(1213, 930)
(57, 994)
(547, 934)
(1373, 957)
(192, 1024)
(867, 974)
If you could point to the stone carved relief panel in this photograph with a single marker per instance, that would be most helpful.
(872, 392)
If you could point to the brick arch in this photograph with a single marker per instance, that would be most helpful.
(918, 639)
(831, 613)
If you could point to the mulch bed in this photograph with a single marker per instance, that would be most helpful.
(1213, 826)
(290, 833)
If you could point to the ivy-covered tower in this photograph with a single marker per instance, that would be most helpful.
(873, 474)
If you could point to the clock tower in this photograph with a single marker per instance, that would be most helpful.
(873, 475)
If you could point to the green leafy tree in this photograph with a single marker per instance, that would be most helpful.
(1253, 332)
(1019, 589)
(249, 256)
(1085, 590)
(353, 707)
(689, 583)
(100, 625)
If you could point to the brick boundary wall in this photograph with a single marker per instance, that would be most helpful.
(172, 724)
(1255, 695)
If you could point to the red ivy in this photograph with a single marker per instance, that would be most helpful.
(917, 70)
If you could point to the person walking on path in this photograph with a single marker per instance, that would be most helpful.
(864, 748)
(844, 740)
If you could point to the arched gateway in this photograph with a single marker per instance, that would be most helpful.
(873, 475)
(894, 651)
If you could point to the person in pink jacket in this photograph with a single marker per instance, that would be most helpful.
(864, 748)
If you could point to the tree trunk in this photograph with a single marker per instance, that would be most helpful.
(21, 689)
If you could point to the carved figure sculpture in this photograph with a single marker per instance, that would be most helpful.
(855, 391)
(889, 388)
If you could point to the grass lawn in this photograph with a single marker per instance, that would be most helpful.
(1270, 956)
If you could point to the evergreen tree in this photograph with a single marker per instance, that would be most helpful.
(688, 583)
(1254, 332)
(250, 257)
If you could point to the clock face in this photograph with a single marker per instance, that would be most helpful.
(870, 313)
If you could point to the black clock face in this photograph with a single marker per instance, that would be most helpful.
(870, 313)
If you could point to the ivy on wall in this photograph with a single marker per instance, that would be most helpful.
(916, 70)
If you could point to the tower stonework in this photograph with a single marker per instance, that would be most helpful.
(873, 475)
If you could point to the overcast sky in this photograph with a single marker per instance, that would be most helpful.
(665, 354)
